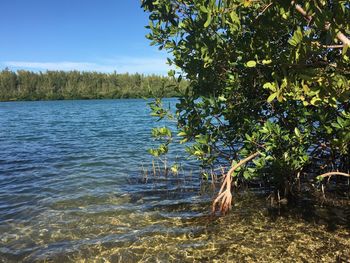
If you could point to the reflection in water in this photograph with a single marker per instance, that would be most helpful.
(71, 190)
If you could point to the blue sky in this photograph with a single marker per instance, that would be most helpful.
(89, 35)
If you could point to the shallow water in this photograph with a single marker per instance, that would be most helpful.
(72, 189)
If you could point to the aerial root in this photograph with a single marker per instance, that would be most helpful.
(329, 174)
(223, 201)
(224, 198)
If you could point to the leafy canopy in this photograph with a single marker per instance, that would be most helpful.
(266, 76)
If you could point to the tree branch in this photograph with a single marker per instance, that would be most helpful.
(302, 11)
(340, 35)
(326, 46)
(343, 38)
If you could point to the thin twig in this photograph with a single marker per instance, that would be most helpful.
(327, 46)
(263, 11)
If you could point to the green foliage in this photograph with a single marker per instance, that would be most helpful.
(262, 78)
(53, 85)
(161, 134)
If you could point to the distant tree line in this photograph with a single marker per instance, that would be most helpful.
(60, 85)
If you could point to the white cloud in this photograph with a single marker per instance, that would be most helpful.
(121, 65)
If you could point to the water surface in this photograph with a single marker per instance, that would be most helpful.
(72, 189)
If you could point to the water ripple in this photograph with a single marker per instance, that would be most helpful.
(71, 189)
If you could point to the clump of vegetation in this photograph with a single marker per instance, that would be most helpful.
(58, 85)
(269, 86)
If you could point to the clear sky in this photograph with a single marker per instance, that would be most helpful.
(90, 35)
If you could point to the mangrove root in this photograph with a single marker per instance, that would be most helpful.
(329, 174)
(223, 201)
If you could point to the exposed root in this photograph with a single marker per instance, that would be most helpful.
(332, 173)
(223, 200)
(224, 196)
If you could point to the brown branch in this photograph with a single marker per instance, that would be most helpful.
(224, 197)
(327, 46)
(340, 35)
(302, 11)
(343, 38)
(329, 174)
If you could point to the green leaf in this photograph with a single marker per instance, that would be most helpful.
(297, 132)
(247, 3)
(251, 64)
(171, 73)
(207, 23)
(340, 121)
(154, 152)
(222, 98)
(247, 175)
(183, 141)
(296, 38)
(345, 49)
(267, 61)
(198, 153)
(234, 17)
(315, 101)
(248, 137)
(319, 178)
(305, 103)
(181, 134)
(272, 97)
(270, 85)
(175, 169)
(201, 139)
(335, 125)
(279, 96)
(203, 9)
